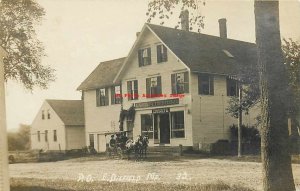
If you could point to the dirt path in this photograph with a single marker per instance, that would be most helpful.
(190, 171)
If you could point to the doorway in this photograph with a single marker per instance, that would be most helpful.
(164, 127)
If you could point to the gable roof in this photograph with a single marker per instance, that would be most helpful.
(103, 75)
(71, 112)
(206, 53)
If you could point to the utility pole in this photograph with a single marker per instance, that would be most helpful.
(4, 178)
(240, 120)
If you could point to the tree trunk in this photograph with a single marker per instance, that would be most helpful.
(276, 159)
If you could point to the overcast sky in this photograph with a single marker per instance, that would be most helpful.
(79, 34)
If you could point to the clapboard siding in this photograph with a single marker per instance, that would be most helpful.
(75, 137)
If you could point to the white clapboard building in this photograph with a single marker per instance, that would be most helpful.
(58, 126)
(179, 83)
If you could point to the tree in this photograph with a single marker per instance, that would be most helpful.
(19, 140)
(18, 19)
(276, 160)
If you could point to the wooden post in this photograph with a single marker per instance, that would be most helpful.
(4, 176)
(240, 122)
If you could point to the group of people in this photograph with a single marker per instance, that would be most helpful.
(118, 141)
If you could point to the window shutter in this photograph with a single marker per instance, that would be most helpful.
(136, 88)
(211, 85)
(148, 84)
(149, 55)
(140, 58)
(159, 85)
(165, 55)
(129, 90)
(106, 97)
(113, 98)
(173, 83)
(186, 82)
(98, 97)
(121, 95)
(159, 55)
(199, 84)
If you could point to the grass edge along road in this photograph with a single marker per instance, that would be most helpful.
(30, 184)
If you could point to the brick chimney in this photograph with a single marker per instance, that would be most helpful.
(223, 28)
(184, 16)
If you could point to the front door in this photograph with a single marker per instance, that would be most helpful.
(164, 126)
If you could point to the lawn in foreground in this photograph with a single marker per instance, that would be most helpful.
(30, 184)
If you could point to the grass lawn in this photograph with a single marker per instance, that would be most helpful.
(30, 184)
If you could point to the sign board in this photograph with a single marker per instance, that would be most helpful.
(160, 110)
(157, 103)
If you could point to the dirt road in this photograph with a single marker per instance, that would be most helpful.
(189, 171)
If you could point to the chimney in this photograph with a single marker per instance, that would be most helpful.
(184, 16)
(223, 28)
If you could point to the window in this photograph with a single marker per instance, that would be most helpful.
(48, 114)
(91, 138)
(144, 56)
(43, 114)
(54, 136)
(206, 84)
(39, 136)
(102, 97)
(153, 87)
(147, 125)
(232, 87)
(116, 95)
(132, 90)
(177, 119)
(46, 135)
(180, 83)
(162, 55)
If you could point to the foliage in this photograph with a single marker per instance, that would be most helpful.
(19, 140)
(18, 19)
(163, 9)
(249, 134)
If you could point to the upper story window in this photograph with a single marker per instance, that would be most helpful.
(46, 135)
(206, 84)
(43, 114)
(153, 87)
(180, 83)
(132, 90)
(144, 56)
(48, 114)
(116, 95)
(162, 55)
(102, 97)
(39, 136)
(54, 135)
(232, 87)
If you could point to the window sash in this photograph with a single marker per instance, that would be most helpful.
(54, 135)
(153, 90)
(116, 95)
(232, 87)
(180, 87)
(132, 90)
(177, 125)
(46, 136)
(206, 84)
(39, 136)
(144, 57)
(162, 55)
(102, 97)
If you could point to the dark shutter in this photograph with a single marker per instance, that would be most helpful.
(159, 91)
(129, 90)
(140, 58)
(113, 94)
(165, 55)
(159, 56)
(148, 84)
(186, 82)
(97, 97)
(121, 95)
(106, 97)
(149, 55)
(199, 84)
(211, 85)
(136, 89)
(173, 83)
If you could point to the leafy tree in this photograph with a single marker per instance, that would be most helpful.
(273, 85)
(18, 37)
(19, 140)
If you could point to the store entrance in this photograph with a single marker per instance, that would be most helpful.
(164, 127)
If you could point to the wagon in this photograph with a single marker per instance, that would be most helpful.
(120, 149)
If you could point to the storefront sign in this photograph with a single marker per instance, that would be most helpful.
(161, 110)
(157, 103)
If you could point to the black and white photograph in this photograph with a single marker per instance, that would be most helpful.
(140, 95)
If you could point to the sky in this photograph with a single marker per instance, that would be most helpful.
(79, 34)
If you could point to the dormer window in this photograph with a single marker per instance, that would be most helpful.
(162, 55)
(144, 56)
